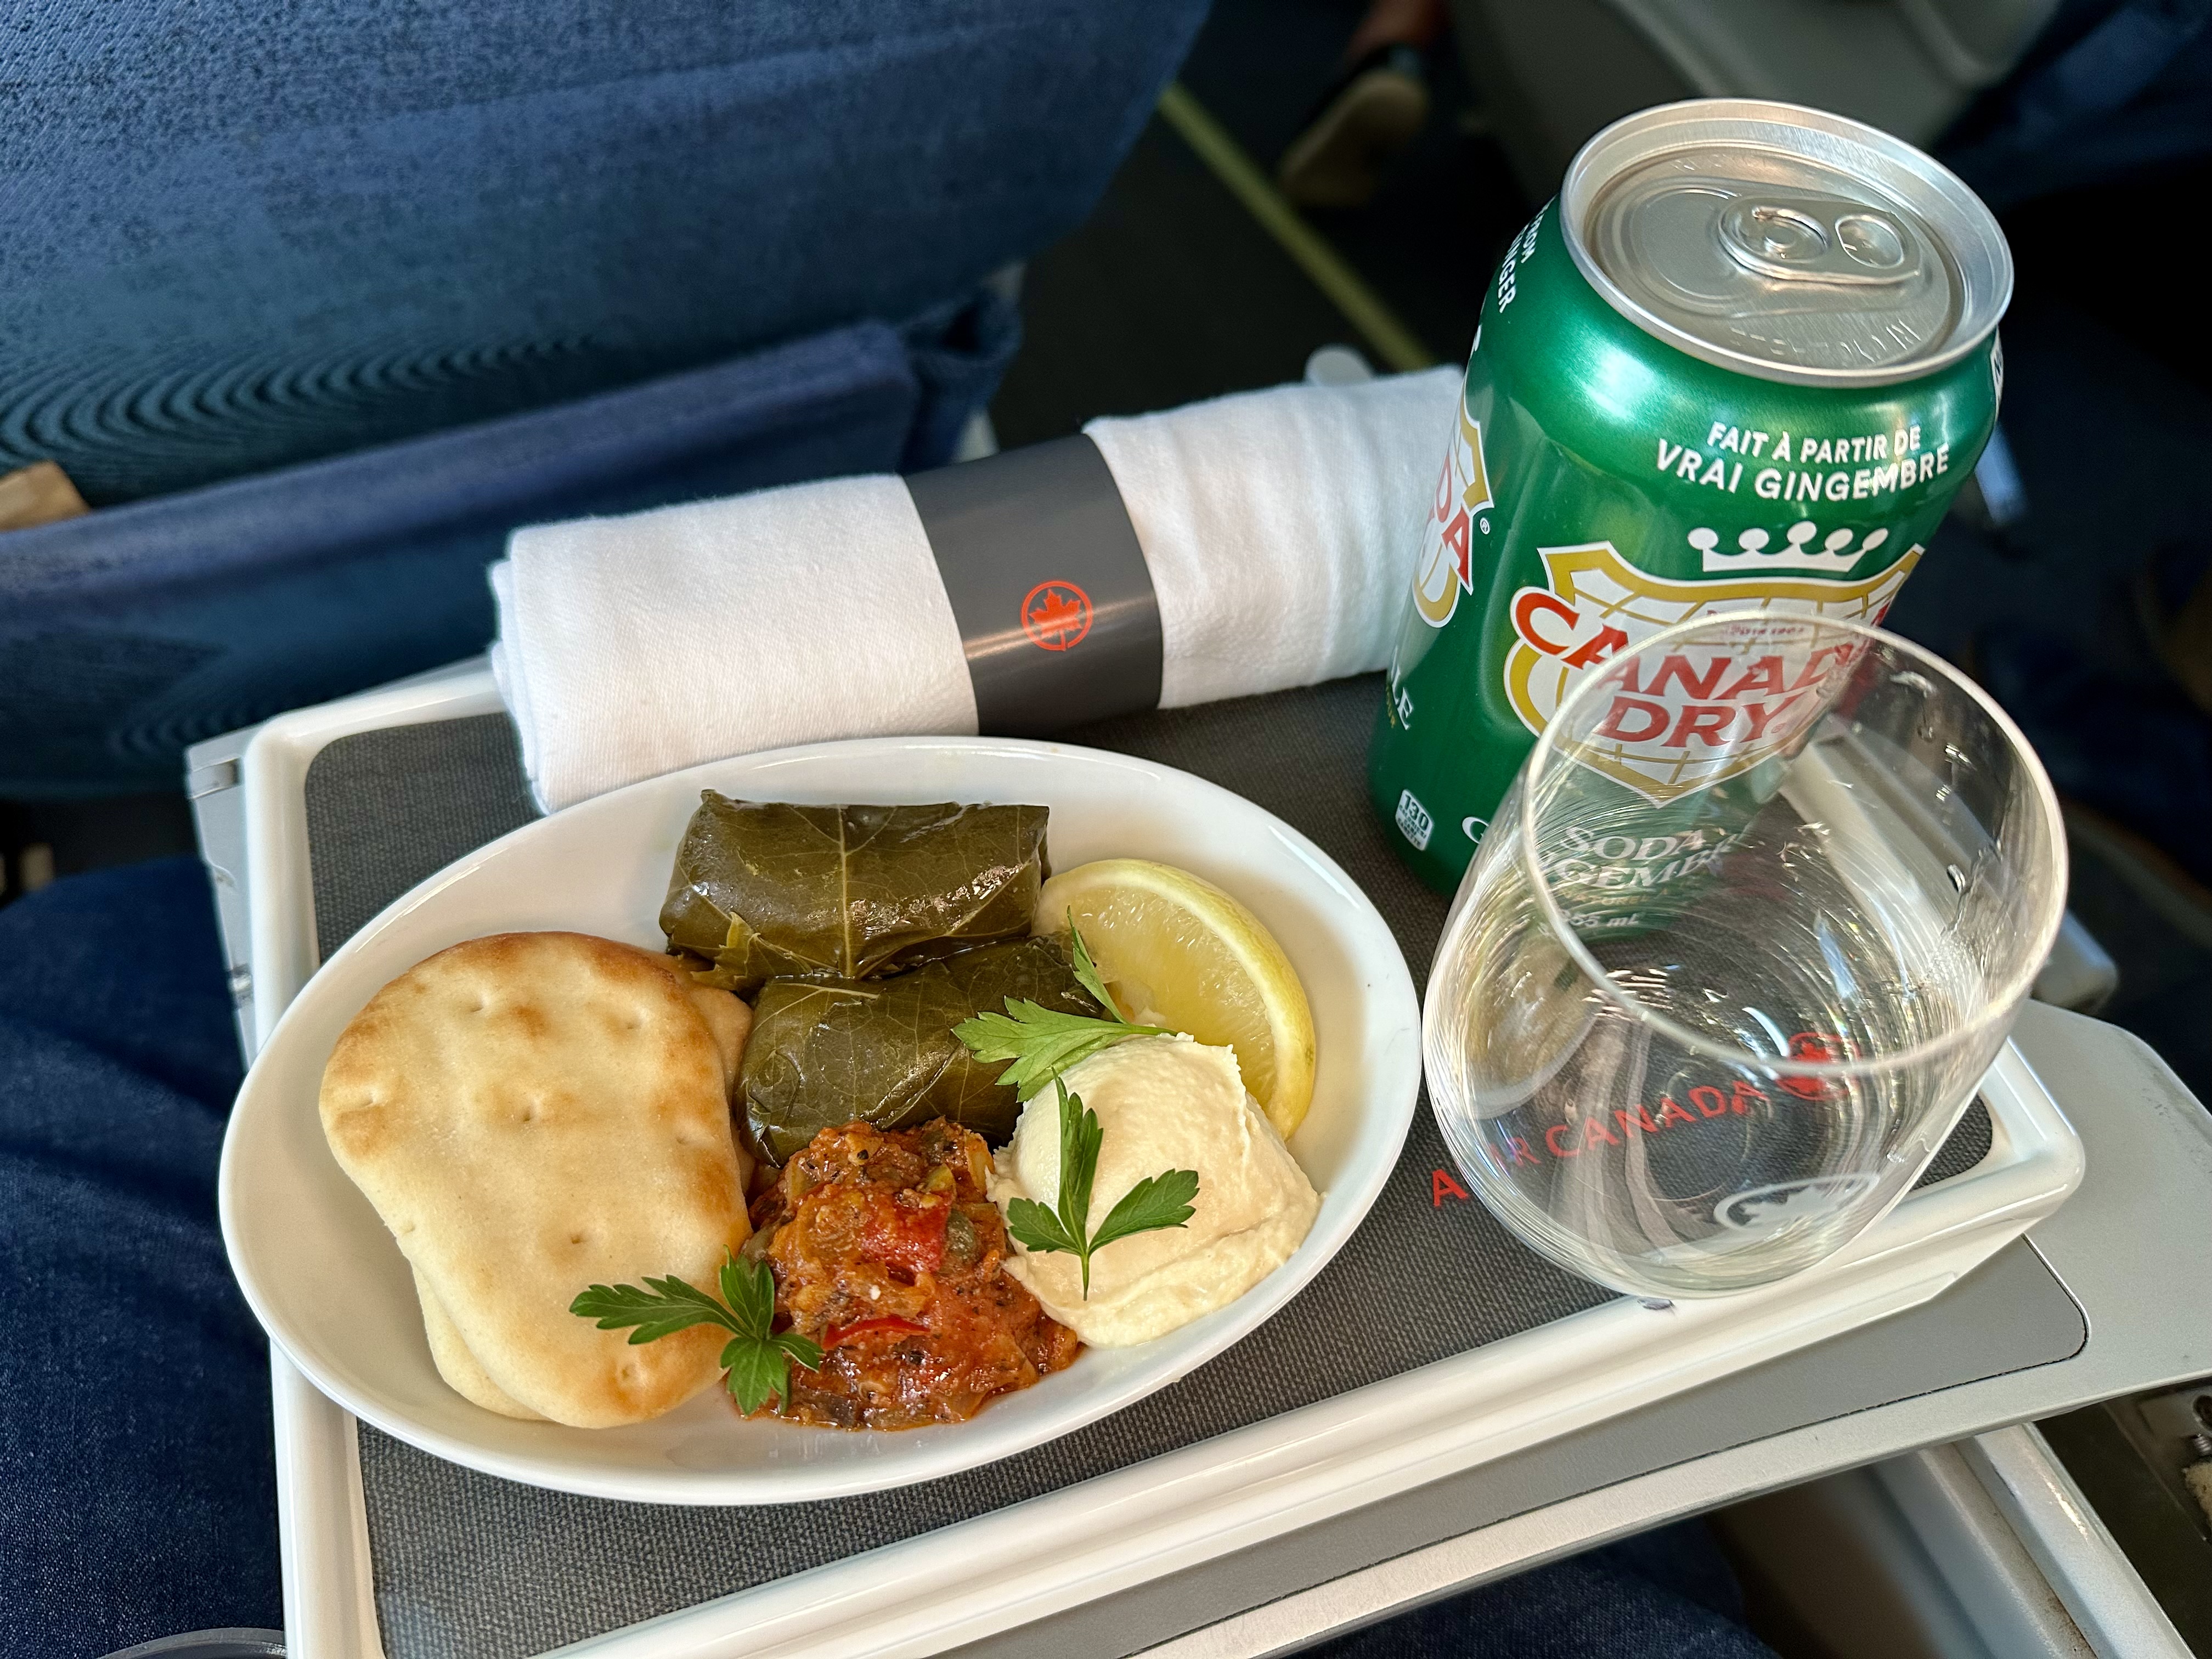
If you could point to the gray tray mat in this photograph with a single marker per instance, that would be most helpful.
(466, 1562)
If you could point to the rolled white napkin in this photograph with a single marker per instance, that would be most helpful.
(1277, 526)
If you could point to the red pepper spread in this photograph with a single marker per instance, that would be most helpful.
(887, 1252)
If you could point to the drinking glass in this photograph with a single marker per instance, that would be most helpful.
(1748, 929)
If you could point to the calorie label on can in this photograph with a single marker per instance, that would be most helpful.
(1728, 370)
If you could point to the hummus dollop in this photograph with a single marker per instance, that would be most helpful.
(1163, 1102)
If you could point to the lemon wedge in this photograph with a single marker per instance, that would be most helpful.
(1175, 951)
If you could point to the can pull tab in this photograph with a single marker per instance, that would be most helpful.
(1795, 238)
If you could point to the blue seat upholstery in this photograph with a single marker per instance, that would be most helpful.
(127, 634)
(246, 237)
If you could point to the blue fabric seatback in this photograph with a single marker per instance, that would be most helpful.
(509, 263)
(244, 233)
(128, 633)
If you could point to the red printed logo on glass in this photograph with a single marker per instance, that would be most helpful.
(1822, 1050)
(1056, 615)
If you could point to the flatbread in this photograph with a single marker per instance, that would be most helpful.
(531, 1113)
(731, 1019)
(463, 1372)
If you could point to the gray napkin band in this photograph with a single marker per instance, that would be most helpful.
(1055, 604)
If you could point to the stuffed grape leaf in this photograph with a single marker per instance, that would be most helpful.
(825, 1052)
(763, 891)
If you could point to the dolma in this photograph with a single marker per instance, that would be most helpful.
(763, 891)
(824, 1052)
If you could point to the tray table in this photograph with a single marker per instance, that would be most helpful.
(1307, 1479)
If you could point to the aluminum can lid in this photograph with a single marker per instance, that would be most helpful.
(1785, 242)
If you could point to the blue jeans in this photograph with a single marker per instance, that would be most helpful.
(137, 1485)
(137, 1493)
(1669, 1592)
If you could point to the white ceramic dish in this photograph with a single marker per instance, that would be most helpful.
(330, 1287)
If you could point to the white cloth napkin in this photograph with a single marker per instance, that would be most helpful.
(1278, 526)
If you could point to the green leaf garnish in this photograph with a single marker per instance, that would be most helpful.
(758, 1359)
(1156, 1202)
(1086, 971)
(1042, 1042)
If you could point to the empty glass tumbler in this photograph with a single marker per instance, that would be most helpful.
(1741, 942)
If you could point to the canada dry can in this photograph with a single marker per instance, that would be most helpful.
(1742, 363)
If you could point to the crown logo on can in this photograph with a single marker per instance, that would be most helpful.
(1835, 554)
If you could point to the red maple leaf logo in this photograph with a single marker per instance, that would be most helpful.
(1822, 1049)
(1057, 615)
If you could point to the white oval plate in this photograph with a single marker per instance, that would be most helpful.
(324, 1278)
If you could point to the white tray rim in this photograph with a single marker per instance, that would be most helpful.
(998, 1571)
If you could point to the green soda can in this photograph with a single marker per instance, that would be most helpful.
(1741, 364)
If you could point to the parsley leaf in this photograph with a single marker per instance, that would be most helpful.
(670, 1306)
(1156, 1202)
(1038, 1227)
(1042, 1042)
(758, 1359)
(1086, 971)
